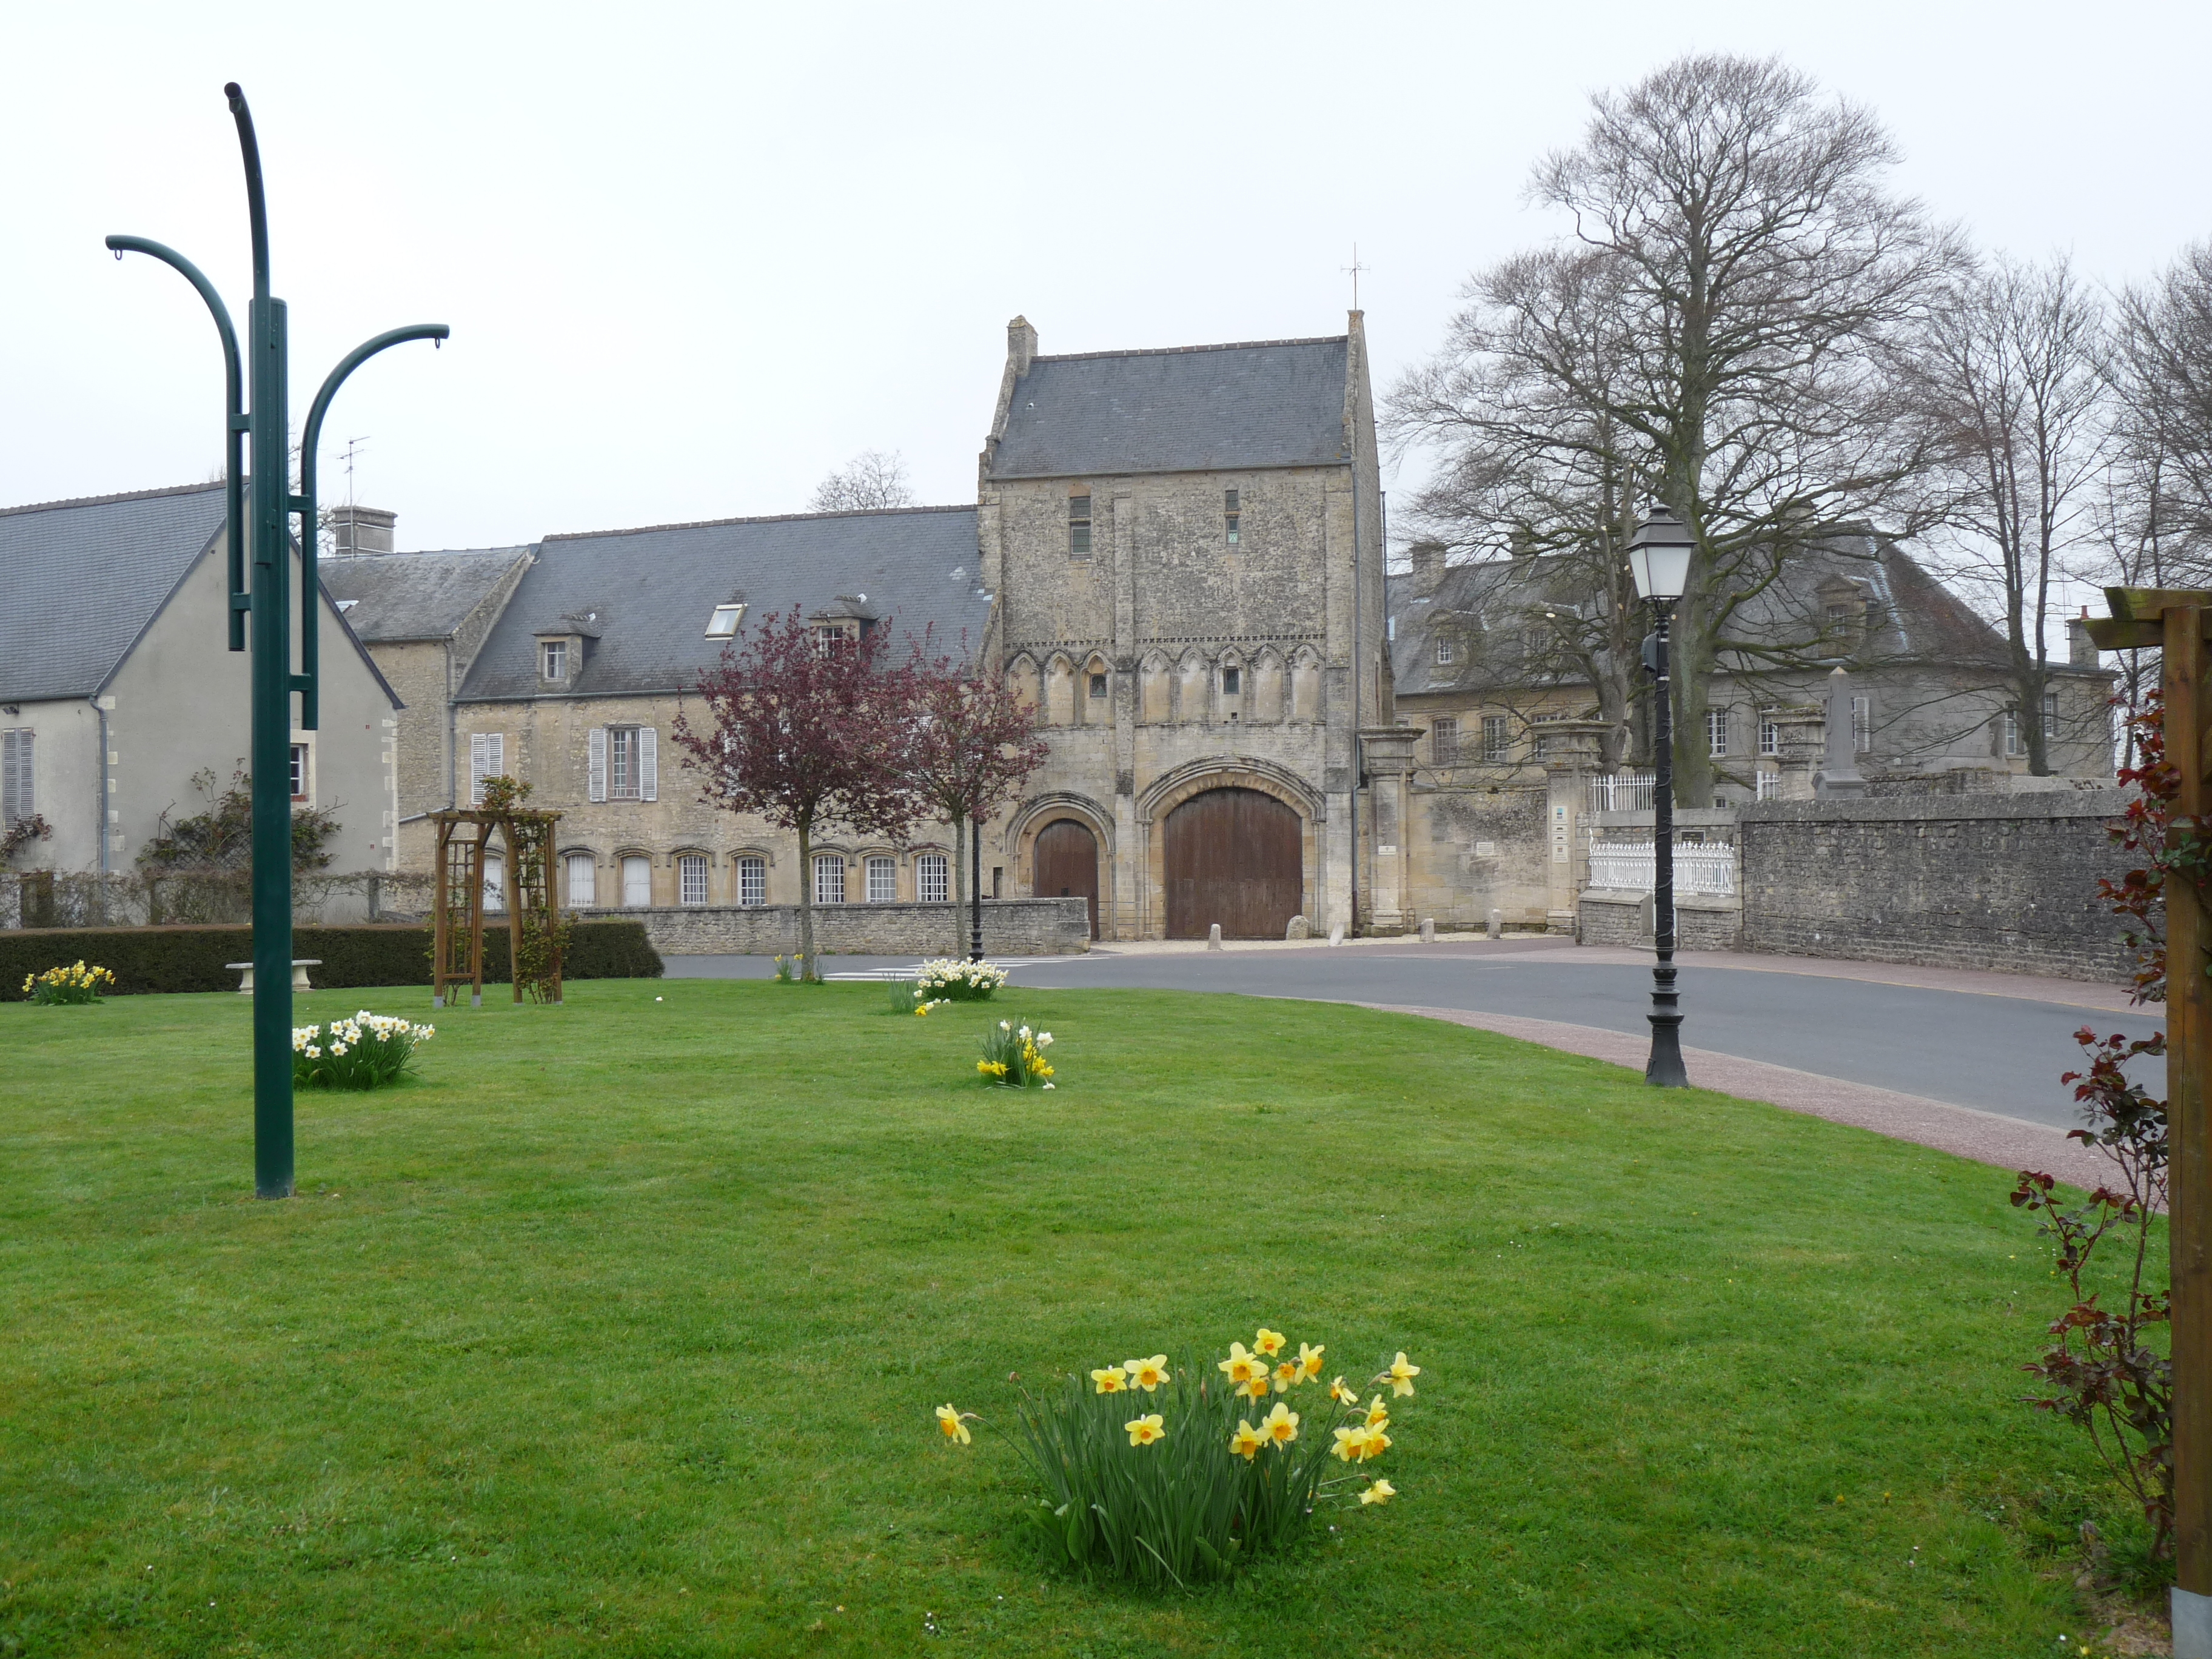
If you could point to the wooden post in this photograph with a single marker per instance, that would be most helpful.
(2189, 1178)
(476, 918)
(517, 888)
(553, 898)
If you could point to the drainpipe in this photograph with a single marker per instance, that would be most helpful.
(104, 793)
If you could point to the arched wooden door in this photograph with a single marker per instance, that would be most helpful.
(1067, 865)
(1236, 857)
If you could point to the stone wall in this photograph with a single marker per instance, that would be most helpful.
(1474, 847)
(1613, 915)
(1011, 927)
(46, 898)
(2006, 883)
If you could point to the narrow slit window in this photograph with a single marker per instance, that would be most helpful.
(1079, 526)
(1097, 685)
(1232, 682)
(1231, 514)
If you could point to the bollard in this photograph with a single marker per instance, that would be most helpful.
(1213, 937)
(1428, 930)
(1498, 924)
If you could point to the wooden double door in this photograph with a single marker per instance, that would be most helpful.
(1067, 865)
(1236, 857)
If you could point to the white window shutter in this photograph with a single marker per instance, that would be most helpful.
(479, 765)
(599, 763)
(496, 754)
(648, 768)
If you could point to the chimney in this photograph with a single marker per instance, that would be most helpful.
(1021, 346)
(1428, 559)
(359, 530)
(2081, 649)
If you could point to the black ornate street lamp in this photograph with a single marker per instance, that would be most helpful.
(259, 533)
(1659, 558)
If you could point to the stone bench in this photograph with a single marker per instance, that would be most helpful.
(300, 966)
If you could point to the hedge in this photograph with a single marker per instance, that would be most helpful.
(394, 953)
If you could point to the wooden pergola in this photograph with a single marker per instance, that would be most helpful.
(458, 912)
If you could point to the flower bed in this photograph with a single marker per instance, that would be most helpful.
(1014, 1059)
(364, 1052)
(60, 986)
(949, 980)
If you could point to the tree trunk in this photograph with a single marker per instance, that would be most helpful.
(959, 886)
(806, 968)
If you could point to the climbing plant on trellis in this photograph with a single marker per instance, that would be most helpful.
(537, 935)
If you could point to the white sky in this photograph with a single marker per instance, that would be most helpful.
(695, 257)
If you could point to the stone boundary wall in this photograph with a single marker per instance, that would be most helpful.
(49, 899)
(1011, 927)
(1615, 915)
(2005, 883)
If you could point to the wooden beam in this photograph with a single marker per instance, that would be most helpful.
(2187, 676)
(2144, 603)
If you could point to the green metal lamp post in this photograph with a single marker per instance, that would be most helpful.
(266, 372)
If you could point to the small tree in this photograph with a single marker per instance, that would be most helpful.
(973, 745)
(806, 729)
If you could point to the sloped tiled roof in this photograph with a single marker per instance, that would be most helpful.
(416, 596)
(647, 594)
(1275, 403)
(84, 578)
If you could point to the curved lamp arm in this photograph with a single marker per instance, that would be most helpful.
(256, 205)
(235, 422)
(311, 438)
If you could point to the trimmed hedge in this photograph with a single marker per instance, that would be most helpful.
(144, 959)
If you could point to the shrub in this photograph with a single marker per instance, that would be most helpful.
(1163, 1476)
(58, 987)
(1014, 1059)
(949, 980)
(364, 1052)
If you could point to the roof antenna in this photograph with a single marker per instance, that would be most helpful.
(354, 447)
(1352, 271)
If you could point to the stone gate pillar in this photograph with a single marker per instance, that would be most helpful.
(1387, 757)
(1571, 752)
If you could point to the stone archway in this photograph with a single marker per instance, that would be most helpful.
(1236, 857)
(1064, 859)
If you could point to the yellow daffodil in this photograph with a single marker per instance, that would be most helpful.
(1147, 1374)
(1338, 1392)
(1376, 1443)
(1246, 1440)
(1286, 1373)
(1144, 1430)
(1256, 1388)
(1400, 1376)
(1378, 1414)
(1112, 1380)
(1270, 1343)
(1280, 1425)
(920, 1011)
(1310, 1361)
(1241, 1367)
(949, 1420)
(1350, 1441)
(1381, 1492)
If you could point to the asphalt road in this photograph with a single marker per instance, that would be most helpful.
(1999, 1054)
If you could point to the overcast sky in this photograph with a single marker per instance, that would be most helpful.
(695, 257)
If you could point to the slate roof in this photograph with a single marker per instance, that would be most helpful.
(416, 596)
(1271, 403)
(85, 578)
(647, 594)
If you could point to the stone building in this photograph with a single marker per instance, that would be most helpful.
(117, 686)
(1187, 549)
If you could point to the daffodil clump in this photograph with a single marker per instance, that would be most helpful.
(948, 979)
(360, 1052)
(1174, 1475)
(1013, 1056)
(790, 969)
(75, 983)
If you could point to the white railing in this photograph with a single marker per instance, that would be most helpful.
(1699, 867)
(1620, 792)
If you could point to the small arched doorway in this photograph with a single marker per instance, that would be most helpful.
(1067, 865)
(1236, 857)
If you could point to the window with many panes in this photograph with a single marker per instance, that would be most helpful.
(1717, 731)
(2051, 713)
(299, 771)
(625, 777)
(752, 881)
(1443, 742)
(1447, 651)
(932, 879)
(829, 878)
(1230, 514)
(1079, 526)
(2013, 742)
(1497, 738)
(583, 879)
(691, 878)
(883, 881)
(1769, 736)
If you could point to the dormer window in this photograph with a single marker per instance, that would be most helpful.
(1447, 652)
(723, 624)
(1079, 526)
(553, 659)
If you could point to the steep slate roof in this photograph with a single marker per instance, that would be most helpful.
(416, 596)
(85, 578)
(647, 594)
(1272, 403)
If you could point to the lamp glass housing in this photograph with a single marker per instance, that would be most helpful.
(1659, 556)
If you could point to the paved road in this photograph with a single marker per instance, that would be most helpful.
(1998, 1053)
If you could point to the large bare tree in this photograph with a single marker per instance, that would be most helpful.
(870, 480)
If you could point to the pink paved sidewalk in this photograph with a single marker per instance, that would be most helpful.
(1985, 1137)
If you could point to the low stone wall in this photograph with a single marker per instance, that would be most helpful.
(64, 898)
(1011, 927)
(1616, 915)
(2006, 882)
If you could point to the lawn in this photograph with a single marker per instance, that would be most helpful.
(617, 1329)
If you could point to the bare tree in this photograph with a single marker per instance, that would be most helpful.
(2009, 370)
(2162, 369)
(870, 480)
(1766, 277)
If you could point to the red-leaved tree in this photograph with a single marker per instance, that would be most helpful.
(806, 731)
(973, 746)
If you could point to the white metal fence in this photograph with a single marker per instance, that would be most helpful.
(1620, 792)
(1699, 867)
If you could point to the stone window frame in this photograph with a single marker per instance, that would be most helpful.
(689, 861)
(827, 864)
(568, 856)
(872, 866)
(622, 861)
(745, 864)
(932, 869)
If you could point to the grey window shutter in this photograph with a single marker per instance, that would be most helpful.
(496, 754)
(479, 765)
(648, 767)
(599, 763)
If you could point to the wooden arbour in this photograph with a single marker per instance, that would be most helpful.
(458, 905)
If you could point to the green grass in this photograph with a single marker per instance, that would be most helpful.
(617, 1330)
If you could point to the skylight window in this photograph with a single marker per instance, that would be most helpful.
(723, 624)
